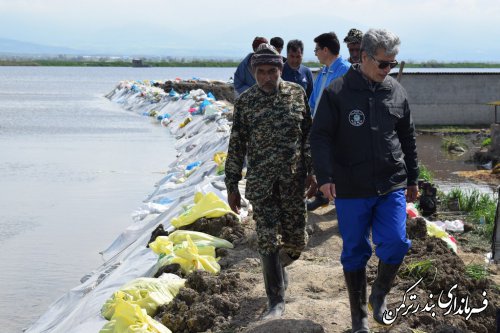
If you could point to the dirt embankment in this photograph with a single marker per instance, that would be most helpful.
(317, 300)
(221, 90)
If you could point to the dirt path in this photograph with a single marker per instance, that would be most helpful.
(317, 300)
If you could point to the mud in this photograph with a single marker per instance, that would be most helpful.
(206, 304)
(227, 227)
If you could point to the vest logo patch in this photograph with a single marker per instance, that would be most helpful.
(356, 117)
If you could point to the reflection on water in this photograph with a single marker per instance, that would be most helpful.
(444, 165)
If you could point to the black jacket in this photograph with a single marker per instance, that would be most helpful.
(363, 138)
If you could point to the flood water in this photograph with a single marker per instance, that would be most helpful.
(444, 165)
(73, 167)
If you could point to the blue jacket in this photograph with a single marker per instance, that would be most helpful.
(338, 68)
(302, 76)
(243, 77)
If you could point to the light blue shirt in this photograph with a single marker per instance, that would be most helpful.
(338, 68)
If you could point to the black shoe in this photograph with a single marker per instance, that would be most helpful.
(319, 201)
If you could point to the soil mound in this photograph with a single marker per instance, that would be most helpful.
(227, 227)
(443, 278)
(205, 304)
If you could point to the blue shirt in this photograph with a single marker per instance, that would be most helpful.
(338, 68)
(302, 76)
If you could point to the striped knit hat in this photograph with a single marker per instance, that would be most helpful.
(266, 54)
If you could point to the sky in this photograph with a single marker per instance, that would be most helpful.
(441, 30)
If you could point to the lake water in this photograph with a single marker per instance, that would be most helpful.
(73, 167)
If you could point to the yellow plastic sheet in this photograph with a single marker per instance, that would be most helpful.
(130, 318)
(209, 205)
(164, 246)
(220, 160)
(434, 231)
(185, 122)
(190, 259)
(180, 236)
(147, 293)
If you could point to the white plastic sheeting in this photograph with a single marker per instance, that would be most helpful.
(127, 257)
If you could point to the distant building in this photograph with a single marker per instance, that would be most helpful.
(138, 63)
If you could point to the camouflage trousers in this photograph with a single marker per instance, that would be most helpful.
(280, 219)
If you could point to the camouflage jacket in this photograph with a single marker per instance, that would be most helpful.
(272, 131)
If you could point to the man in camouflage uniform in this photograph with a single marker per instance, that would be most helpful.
(353, 41)
(271, 128)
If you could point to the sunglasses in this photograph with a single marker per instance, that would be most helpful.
(384, 64)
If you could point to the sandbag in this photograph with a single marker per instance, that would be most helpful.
(130, 318)
(147, 293)
(209, 205)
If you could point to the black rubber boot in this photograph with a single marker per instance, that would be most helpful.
(319, 201)
(285, 260)
(356, 285)
(275, 287)
(381, 287)
(285, 277)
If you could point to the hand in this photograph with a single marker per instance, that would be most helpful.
(311, 186)
(412, 193)
(234, 200)
(328, 191)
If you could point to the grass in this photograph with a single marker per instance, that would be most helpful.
(117, 63)
(417, 269)
(190, 62)
(448, 130)
(486, 142)
(479, 206)
(476, 271)
(453, 142)
(425, 173)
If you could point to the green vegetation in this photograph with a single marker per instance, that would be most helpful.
(417, 269)
(456, 143)
(476, 271)
(425, 173)
(118, 63)
(486, 142)
(481, 208)
(80, 61)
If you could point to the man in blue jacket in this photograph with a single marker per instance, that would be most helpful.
(365, 157)
(327, 51)
(243, 77)
(293, 70)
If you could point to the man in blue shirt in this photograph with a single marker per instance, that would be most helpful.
(327, 50)
(293, 70)
(243, 77)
